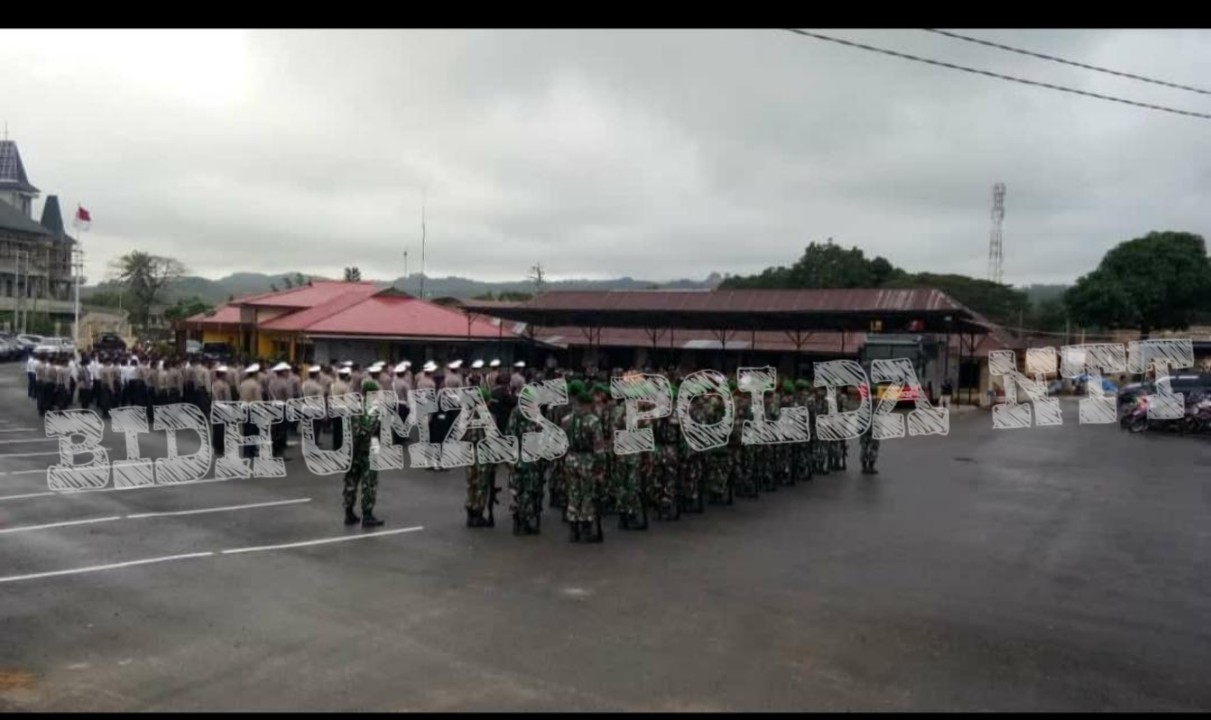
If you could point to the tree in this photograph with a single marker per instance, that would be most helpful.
(187, 308)
(538, 278)
(1157, 282)
(822, 265)
(288, 281)
(352, 274)
(144, 276)
(999, 303)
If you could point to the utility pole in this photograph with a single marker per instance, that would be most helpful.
(78, 271)
(995, 254)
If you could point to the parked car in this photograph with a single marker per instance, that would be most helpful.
(29, 342)
(192, 347)
(217, 351)
(10, 349)
(109, 342)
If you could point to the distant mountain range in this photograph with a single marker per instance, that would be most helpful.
(241, 284)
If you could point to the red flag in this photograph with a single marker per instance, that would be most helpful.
(83, 219)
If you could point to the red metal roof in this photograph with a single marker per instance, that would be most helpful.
(829, 300)
(766, 341)
(302, 319)
(225, 315)
(318, 292)
(391, 314)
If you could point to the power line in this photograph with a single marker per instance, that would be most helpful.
(1052, 58)
(1024, 81)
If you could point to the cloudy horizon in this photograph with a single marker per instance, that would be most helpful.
(658, 155)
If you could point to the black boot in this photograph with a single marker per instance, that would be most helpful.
(575, 531)
(350, 518)
(517, 524)
(475, 519)
(597, 536)
(368, 520)
(624, 520)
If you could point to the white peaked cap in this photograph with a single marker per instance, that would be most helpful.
(280, 367)
(344, 371)
(313, 369)
(519, 364)
(455, 364)
(494, 363)
(375, 367)
(255, 367)
(477, 364)
(430, 366)
(347, 363)
(221, 368)
(402, 367)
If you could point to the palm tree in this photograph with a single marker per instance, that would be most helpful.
(144, 276)
(352, 274)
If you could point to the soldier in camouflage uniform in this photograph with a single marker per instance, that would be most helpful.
(525, 478)
(481, 484)
(785, 452)
(552, 471)
(767, 455)
(869, 447)
(625, 483)
(689, 494)
(666, 467)
(744, 473)
(838, 449)
(365, 442)
(586, 442)
(819, 408)
(604, 408)
(802, 451)
(719, 460)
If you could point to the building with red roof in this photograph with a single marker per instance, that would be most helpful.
(356, 321)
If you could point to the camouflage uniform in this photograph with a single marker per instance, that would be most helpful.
(553, 472)
(719, 462)
(525, 479)
(767, 455)
(693, 466)
(744, 474)
(802, 452)
(624, 477)
(666, 467)
(869, 450)
(582, 467)
(481, 485)
(818, 409)
(365, 428)
(838, 449)
(607, 462)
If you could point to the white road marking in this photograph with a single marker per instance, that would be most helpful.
(30, 440)
(61, 524)
(320, 542)
(96, 568)
(41, 454)
(28, 472)
(218, 509)
(141, 516)
(30, 429)
(28, 495)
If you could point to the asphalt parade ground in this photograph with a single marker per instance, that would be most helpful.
(1060, 568)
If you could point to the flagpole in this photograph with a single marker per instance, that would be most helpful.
(78, 266)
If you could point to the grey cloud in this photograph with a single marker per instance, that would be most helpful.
(655, 154)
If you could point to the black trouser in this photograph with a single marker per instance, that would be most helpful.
(278, 433)
(104, 399)
(250, 451)
(338, 432)
(33, 385)
(45, 392)
(62, 396)
(217, 439)
(86, 396)
(403, 416)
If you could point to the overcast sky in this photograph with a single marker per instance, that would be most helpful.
(654, 154)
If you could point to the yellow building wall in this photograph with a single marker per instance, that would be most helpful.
(222, 336)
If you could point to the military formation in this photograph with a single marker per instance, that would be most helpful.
(587, 484)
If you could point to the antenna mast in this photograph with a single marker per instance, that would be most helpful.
(996, 257)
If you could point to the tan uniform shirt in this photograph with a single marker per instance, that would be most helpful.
(250, 389)
(338, 387)
(220, 391)
(453, 379)
(425, 382)
(279, 389)
(312, 388)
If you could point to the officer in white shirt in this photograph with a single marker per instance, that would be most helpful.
(31, 369)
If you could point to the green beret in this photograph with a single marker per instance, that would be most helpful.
(483, 390)
(576, 388)
(788, 387)
(599, 388)
(803, 384)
